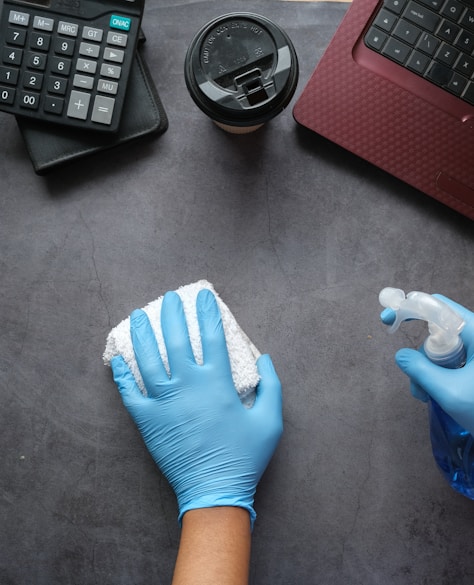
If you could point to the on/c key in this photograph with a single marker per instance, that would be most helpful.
(120, 22)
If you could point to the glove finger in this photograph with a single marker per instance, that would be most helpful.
(387, 316)
(268, 401)
(147, 353)
(423, 373)
(214, 346)
(176, 334)
(415, 389)
(123, 377)
(418, 392)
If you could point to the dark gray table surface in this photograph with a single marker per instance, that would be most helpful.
(298, 236)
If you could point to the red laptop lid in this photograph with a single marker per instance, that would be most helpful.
(389, 116)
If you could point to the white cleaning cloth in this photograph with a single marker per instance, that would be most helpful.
(243, 354)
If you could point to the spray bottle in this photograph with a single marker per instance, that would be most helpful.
(452, 445)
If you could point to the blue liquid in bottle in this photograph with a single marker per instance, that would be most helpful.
(452, 445)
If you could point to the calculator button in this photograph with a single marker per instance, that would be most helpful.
(120, 22)
(106, 86)
(7, 95)
(8, 75)
(103, 110)
(33, 80)
(40, 42)
(84, 81)
(78, 105)
(29, 100)
(53, 105)
(89, 50)
(93, 34)
(16, 37)
(64, 47)
(57, 85)
(117, 39)
(61, 66)
(69, 29)
(42, 23)
(19, 18)
(113, 71)
(86, 66)
(12, 56)
(37, 61)
(69, 67)
(114, 55)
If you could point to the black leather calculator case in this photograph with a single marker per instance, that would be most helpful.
(51, 146)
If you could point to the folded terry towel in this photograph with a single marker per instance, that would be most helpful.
(243, 354)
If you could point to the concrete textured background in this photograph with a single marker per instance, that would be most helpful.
(298, 236)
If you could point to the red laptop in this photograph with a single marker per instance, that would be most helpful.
(396, 87)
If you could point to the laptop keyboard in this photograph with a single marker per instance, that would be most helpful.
(432, 38)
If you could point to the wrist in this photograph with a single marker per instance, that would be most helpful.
(218, 502)
(218, 516)
(214, 547)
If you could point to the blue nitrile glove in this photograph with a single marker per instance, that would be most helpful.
(212, 449)
(453, 390)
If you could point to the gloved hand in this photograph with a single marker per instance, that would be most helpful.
(453, 390)
(212, 449)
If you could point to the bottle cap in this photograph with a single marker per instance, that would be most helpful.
(444, 323)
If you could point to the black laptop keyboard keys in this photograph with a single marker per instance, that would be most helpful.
(431, 38)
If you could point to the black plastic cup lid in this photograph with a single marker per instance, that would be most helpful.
(241, 69)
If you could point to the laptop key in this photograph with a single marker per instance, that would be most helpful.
(468, 95)
(418, 62)
(447, 54)
(448, 31)
(421, 16)
(465, 41)
(396, 5)
(433, 4)
(375, 38)
(407, 32)
(396, 50)
(457, 84)
(385, 20)
(439, 74)
(465, 65)
(467, 20)
(453, 9)
(428, 44)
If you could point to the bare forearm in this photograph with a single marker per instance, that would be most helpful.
(214, 547)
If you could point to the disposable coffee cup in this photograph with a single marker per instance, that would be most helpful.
(241, 70)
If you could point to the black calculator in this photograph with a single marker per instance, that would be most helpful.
(68, 61)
